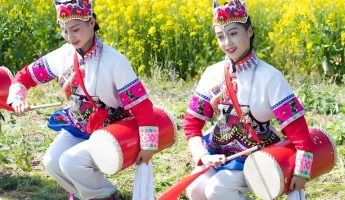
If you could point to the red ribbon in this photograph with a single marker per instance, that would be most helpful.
(174, 191)
(4, 105)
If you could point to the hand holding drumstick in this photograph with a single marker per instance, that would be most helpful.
(219, 159)
(23, 106)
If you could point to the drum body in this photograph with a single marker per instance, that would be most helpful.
(5, 77)
(116, 146)
(5, 82)
(268, 172)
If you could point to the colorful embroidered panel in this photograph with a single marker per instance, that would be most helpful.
(148, 137)
(132, 94)
(303, 165)
(200, 107)
(19, 92)
(40, 71)
(288, 110)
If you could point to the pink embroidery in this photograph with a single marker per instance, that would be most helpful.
(132, 94)
(21, 94)
(289, 111)
(149, 137)
(40, 72)
(200, 108)
(304, 162)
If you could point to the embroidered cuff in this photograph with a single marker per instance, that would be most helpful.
(303, 165)
(17, 92)
(132, 94)
(148, 137)
(197, 148)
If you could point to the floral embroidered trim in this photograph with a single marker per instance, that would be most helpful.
(200, 107)
(148, 137)
(234, 11)
(40, 71)
(303, 165)
(288, 110)
(95, 50)
(68, 10)
(246, 63)
(132, 94)
(17, 92)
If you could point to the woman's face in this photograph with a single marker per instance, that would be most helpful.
(234, 40)
(79, 33)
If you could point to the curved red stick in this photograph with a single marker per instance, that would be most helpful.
(174, 191)
(4, 105)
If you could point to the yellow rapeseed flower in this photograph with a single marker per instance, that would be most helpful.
(152, 31)
(141, 68)
(131, 32)
(342, 38)
(309, 46)
(192, 33)
(261, 55)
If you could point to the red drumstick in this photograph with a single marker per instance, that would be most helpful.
(174, 191)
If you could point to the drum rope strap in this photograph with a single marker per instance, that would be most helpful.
(98, 117)
(231, 92)
(80, 80)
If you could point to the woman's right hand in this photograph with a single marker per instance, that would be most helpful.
(20, 107)
(213, 160)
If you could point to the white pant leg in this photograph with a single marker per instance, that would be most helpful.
(226, 184)
(77, 165)
(61, 143)
(196, 190)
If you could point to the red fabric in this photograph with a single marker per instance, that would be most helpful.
(174, 191)
(143, 113)
(24, 77)
(96, 120)
(297, 132)
(192, 126)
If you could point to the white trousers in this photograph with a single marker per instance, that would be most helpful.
(68, 161)
(221, 185)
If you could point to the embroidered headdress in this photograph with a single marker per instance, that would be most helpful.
(234, 11)
(73, 9)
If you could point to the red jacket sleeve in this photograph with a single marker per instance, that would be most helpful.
(143, 113)
(192, 126)
(24, 77)
(297, 132)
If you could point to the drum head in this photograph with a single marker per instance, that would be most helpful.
(263, 175)
(106, 152)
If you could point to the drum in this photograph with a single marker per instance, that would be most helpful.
(268, 172)
(5, 82)
(5, 77)
(116, 146)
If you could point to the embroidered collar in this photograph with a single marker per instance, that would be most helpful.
(94, 50)
(248, 62)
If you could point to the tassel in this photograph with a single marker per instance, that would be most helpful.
(96, 120)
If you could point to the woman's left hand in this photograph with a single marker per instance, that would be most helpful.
(144, 156)
(297, 183)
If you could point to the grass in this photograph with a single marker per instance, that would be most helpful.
(24, 139)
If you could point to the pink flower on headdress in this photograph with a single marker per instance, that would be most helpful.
(222, 15)
(87, 12)
(236, 14)
(64, 12)
(77, 12)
